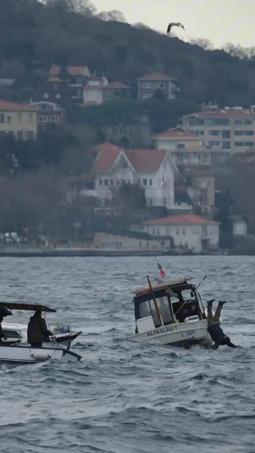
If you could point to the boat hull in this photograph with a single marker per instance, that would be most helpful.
(26, 354)
(183, 334)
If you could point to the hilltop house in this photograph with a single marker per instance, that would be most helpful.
(188, 232)
(19, 120)
(76, 76)
(93, 90)
(152, 169)
(157, 83)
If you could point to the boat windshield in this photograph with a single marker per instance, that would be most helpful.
(159, 308)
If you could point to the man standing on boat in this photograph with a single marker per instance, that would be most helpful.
(214, 329)
(37, 330)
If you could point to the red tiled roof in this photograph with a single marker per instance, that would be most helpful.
(14, 107)
(183, 219)
(53, 78)
(143, 160)
(156, 76)
(73, 70)
(114, 85)
(222, 113)
(107, 153)
(177, 133)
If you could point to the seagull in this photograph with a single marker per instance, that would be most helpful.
(174, 24)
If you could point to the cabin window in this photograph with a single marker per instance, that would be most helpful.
(145, 309)
(155, 313)
(165, 310)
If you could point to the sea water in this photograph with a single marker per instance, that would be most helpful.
(126, 397)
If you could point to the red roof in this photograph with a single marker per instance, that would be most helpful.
(115, 85)
(106, 156)
(156, 76)
(143, 160)
(73, 70)
(177, 133)
(14, 107)
(53, 78)
(183, 219)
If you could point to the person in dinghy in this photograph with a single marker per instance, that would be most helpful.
(214, 329)
(37, 331)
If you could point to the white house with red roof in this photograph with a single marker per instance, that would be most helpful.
(19, 120)
(149, 84)
(152, 169)
(185, 147)
(227, 130)
(187, 231)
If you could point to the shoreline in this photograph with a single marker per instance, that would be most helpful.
(72, 252)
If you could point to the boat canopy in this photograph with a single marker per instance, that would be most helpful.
(158, 289)
(27, 307)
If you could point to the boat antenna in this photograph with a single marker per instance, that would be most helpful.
(200, 281)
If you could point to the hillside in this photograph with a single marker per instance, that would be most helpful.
(34, 35)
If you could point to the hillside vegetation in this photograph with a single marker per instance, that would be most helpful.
(33, 35)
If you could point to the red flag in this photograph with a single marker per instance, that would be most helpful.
(161, 271)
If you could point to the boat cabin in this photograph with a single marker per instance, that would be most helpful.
(158, 305)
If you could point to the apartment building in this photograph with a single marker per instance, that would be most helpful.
(19, 120)
(227, 130)
(186, 148)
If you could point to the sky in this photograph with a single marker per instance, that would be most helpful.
(219, 21)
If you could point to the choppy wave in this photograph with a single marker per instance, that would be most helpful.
(125, 397)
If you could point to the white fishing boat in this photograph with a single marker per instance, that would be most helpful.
(170, 313)
(15, 349)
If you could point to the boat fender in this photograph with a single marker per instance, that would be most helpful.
(40, 356)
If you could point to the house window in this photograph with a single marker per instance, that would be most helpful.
(30, 117)
(181, 146)
(164, 201)
(177, 231)
(100, 182)
(225, 134)
(1, 118)
(112, 182)
(183, 231)
(106, 182)
(19, 116)
(45, 95)
(248, 133)
(145, 182)
(150, 182)
(214, 132)
(9, 119)
(239, 132)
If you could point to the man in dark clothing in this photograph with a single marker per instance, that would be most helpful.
(214, 329)
(2, 335)
(3, 312)
(37, 330)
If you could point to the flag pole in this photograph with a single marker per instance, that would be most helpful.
(155, 301)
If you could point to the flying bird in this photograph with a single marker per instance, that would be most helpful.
(174, 24)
